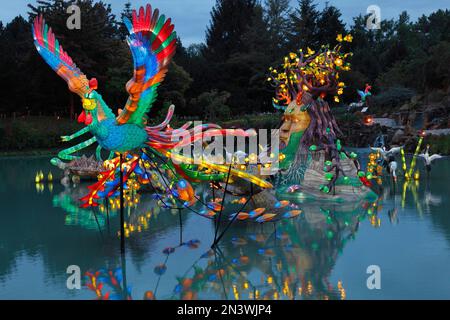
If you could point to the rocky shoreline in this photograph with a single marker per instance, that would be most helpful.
(401, 125)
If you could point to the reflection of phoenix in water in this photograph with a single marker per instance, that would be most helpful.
(291, 260)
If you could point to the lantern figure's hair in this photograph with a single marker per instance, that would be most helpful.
(314, 72)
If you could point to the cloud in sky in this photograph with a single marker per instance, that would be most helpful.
(192, 16)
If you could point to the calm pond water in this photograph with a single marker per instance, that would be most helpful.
(323, 253)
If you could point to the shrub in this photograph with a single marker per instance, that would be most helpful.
(213, 105)
(439, 144)
(34, 133)
(392, 98)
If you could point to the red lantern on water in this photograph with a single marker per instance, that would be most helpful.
(368, 120)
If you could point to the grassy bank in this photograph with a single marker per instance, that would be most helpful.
(439, 144)
(42, 135)
(263, 121)
(260, 121)
(31, 153)
(34, 135)
(37, 136)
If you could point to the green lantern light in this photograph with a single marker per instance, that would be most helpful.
(330, 234)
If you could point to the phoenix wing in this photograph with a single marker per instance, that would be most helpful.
(152, 42)
(53, 53)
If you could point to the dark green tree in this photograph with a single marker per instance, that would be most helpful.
(252, 65)
(15, 71)
(229, 20)
(227, 44)
(213, 105)
(126, 13)
(174, 87)
(329, 24)
(276, 15)
(303, 29)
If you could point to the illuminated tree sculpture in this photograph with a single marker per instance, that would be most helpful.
(306, 79)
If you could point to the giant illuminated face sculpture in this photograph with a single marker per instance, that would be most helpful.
(295, 120)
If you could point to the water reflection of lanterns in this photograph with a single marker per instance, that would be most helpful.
(287, 264)
(235, 292)
(290, 272)
(40, 187)
(372, 212)
(413, 186)
(149, 295)
(113, 282)
(374, 169)
(375, 221)
(341, 290)
(39, 179)
(137, 225)
(76, 216)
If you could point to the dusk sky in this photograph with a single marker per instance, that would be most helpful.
(192, 16)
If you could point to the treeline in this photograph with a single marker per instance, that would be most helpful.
(225, 76)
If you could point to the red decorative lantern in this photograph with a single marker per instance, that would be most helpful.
(93, 84)
(368, 120)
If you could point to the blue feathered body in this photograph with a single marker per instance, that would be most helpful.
(118, 138)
